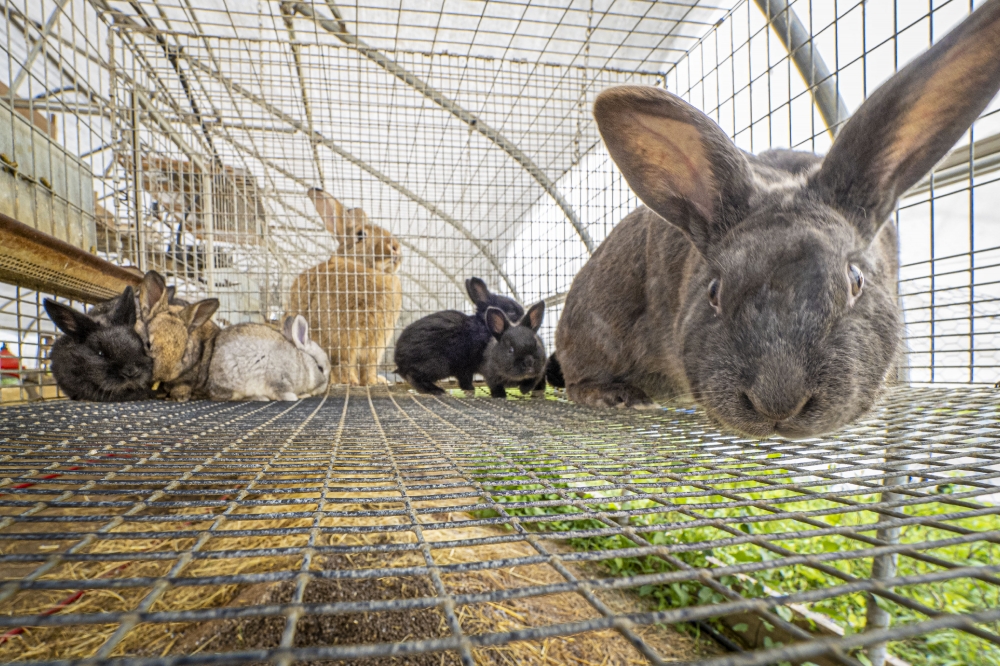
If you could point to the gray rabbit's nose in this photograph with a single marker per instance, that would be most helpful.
(776, 407)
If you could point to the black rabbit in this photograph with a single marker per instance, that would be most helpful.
(101, 357)
(517, 357)
(450, 343)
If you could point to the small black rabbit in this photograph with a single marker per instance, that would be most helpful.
(517, 358)
(101, 357)
(450, 343)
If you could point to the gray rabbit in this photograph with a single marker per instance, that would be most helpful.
(259, 362)
(764, 287)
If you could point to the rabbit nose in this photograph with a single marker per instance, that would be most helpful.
(131, 372)
(775, 407)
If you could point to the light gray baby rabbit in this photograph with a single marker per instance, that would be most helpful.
(257, 362)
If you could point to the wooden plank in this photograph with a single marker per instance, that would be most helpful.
(33, 259)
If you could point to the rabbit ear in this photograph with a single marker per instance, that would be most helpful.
(331, 210)
(911, 121)
(153, 294)
(75, 324)
(171, 292)
(679, 162)
(533, 317)
(299, 329)
(198, 313)
(124, 312)
(496, 322)
(478, 291)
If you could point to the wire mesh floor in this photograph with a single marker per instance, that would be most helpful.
(159, 533)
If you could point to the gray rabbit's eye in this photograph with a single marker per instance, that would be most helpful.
(713, 294)
(100, 352)
(857, 279)
(511, 351)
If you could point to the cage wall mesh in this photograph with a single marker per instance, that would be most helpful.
(183, 137)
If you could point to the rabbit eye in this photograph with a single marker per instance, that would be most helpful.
(713, 294)
(857, 279)
(100, 352)
(511, 351)
(361, 234)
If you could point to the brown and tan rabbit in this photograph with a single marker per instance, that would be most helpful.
(352, 301)
(764, 287)
(179, 338)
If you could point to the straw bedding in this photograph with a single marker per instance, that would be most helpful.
(44, 643)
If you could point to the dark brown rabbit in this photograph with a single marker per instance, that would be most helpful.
(764, 287)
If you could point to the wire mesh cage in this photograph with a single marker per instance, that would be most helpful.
(357, 163)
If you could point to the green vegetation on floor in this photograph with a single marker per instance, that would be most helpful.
(942, 648)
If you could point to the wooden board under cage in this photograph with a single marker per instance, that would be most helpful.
(237, 214)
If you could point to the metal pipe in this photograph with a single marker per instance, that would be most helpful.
(37, 47)
(134, 140)
(339, 30)
(803, 52)
(883, 566)
(297, 57)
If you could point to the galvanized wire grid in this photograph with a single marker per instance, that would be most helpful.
(137, 485)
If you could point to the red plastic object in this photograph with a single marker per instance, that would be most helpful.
(10, 365)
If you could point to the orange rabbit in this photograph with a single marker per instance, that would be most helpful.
(352, 301)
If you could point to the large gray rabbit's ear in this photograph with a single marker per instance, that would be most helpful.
(478, 291)
(912, 120)
(676, 159)
(331, 210)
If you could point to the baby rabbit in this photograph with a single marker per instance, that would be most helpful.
(352, 301)
(257, 362)
(517, 356)
(100, 359)
(450, 343)
(179, 338)
(764, 287)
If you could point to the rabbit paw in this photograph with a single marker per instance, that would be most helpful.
(612, 394)
(180, 393)
(288, 396)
